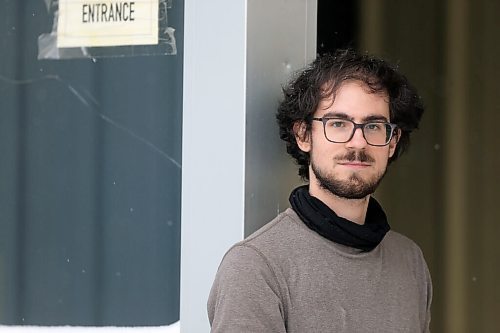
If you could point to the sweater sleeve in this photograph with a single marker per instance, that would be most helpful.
(245, 295)
(428, 297)
(425, 286)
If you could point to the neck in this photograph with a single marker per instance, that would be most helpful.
(351, 209)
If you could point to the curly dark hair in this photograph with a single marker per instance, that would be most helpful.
(324, 76)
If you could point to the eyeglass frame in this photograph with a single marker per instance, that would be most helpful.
(361, 126)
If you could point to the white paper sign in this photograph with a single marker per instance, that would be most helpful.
(107, 23)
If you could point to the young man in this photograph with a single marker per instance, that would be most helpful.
(331, 263)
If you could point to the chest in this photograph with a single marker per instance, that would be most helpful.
(333, 294)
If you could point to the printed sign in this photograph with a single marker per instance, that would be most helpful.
(107, 23)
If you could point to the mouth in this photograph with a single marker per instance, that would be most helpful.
(355, 164)
(355, 160)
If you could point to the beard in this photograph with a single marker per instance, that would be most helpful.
(354, 187)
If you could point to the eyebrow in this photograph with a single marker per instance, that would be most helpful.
(342, 115)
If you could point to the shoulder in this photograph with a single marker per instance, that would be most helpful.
(260, 248)
(255, 261)
(401, 243)
(248, 289)
(268, 242)
(404, 250)
(256, 254)
(405, 253)
(408, 254)
(243, 259)
(285, 222)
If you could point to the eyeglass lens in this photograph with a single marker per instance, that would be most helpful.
(339, 130)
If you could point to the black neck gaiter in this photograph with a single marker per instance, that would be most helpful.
(320, 218)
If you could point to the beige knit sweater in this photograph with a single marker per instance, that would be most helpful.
(287, 278)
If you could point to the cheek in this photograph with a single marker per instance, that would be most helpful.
(319, 152)
(384, 162)
(383, 156)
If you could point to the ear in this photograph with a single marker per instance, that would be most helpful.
(302, 136)
(394, 142)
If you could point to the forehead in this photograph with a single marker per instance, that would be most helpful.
(354, 100)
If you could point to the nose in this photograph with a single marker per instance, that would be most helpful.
(358, 140)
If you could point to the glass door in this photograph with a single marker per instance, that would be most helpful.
(90, 174)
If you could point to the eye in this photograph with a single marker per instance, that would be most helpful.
(374, 127)
(336, 123)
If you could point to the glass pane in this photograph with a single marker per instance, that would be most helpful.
(90, 180)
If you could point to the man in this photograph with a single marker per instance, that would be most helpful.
(331, 263)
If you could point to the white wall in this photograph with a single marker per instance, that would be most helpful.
(237, 55)
(213, 147)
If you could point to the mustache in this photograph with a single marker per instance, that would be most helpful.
(356, 156)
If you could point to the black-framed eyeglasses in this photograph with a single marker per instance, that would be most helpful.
(339, 130)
